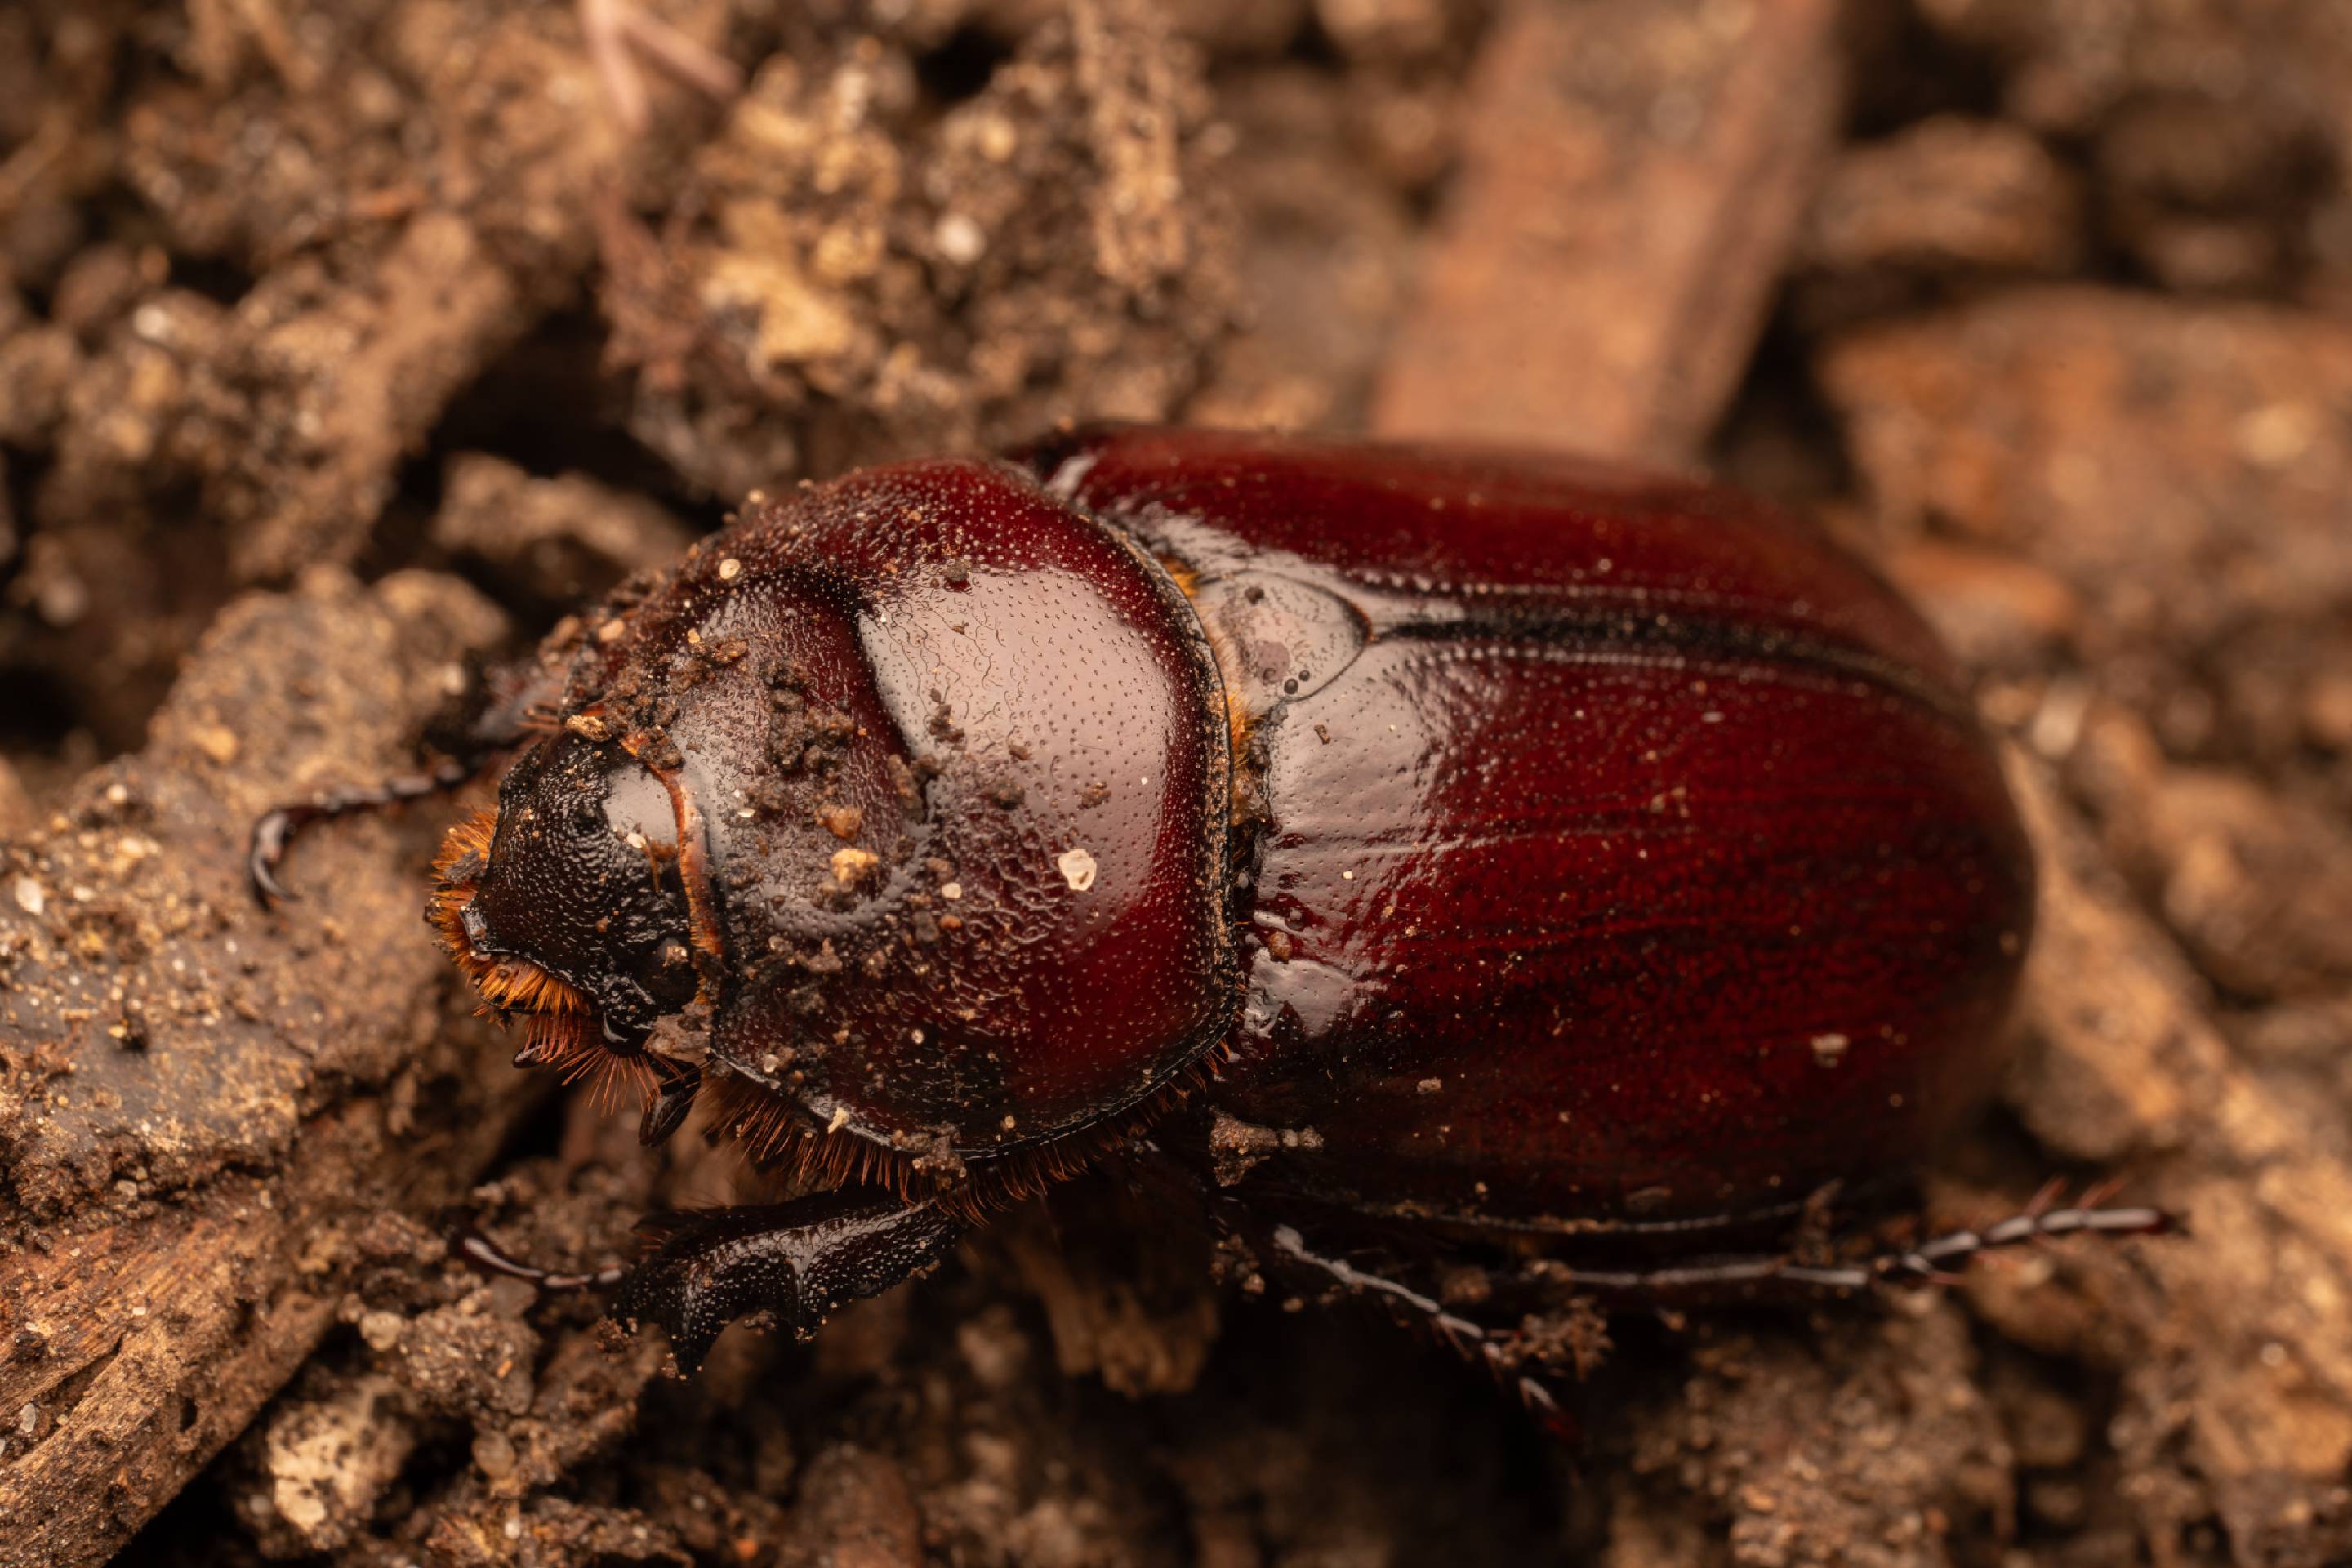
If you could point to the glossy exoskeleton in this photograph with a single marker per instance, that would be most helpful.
(1572, 863)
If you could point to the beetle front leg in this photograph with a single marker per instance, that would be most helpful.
(506, 707)
(273, 830)
(799, 1260)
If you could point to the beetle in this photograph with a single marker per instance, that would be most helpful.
(1522, 852)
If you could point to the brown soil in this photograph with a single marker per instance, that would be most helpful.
(341, 343)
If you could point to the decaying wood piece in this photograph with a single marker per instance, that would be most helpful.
(1633, 177)
(204, 1106)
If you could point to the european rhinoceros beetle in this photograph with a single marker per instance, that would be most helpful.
(1572, 863)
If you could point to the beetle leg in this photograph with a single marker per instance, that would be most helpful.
(505, 707)
(1472, 1341)
(1927, 1262)
(679, 1083)
(1938, 1258)
(275, 828)
(799, 1260)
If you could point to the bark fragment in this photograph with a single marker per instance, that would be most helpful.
(1634, 175)
(204, 1102)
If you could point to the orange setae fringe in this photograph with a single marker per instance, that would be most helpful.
(558, 1025)
(774, 1134)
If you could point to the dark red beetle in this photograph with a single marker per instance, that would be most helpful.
(1549, 859)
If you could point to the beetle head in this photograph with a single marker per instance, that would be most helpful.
(566, 906)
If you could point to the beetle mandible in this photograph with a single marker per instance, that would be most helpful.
(1546, 856)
